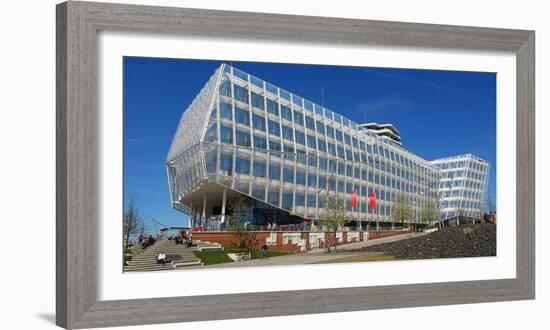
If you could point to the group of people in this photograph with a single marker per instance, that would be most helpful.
(185, 237)
(145, 241)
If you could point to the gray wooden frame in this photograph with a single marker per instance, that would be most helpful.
(77, 158)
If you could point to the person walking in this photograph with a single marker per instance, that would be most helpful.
(265, 252)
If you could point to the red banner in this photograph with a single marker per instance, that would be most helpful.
(354, 199)
(372, 200)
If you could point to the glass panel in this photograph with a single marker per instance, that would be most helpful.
(273, 196)
(258, 122)
(322, 145)
(288, 174)
(299, 199)
(320, 128)
(226, 111)
(274, 145)
(243, 139)
(270, 88)
(288, 133)
(257, 82)
(258, 191)
(242, 165)
(260, 142)
(318, 110)
(239, 74)
(284, 94)
(226, 164)
(297, 100)
(308, 105)
(225, 88)
(328, 114)
(338, 134)
(273, 128)
(257, 101)
(259, 169)
(298, 118)
(286, 113)
(241, 93)
(287, 201)
(274, 172)
(242, 116)
(300, 177)
(273, 107)
(300, 138)
(226, 134)
(347, 139)
(310, 123)
(311, 143)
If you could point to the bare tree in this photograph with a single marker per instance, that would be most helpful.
(333, 216)
(132, 223)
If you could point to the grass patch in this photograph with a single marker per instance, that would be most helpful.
(212, 257)
(219, 257)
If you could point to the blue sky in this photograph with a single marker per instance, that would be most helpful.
(438, 113)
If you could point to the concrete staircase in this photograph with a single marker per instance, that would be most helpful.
(207, 246)
(178, 256)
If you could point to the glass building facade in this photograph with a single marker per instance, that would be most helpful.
(463, 186)
(244, 136)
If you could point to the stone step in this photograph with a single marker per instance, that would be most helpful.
(140, 263)
(188, 263)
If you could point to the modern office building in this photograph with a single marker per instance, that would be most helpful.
(243, 136)
(463, 186)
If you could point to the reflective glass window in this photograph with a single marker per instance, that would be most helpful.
(286, 113)
(320, 128)
(298, 118)
(274, 145)
(242, 116)
(243, 139)
(330, 131)
(259, 169)
(242, 165)
(300, 177)
(274, 172)
(226, 111)
(241, 93)
(226, 164)
(225, 88)
(300, 138)
(226, 134)
(273, 128)
(286, 203)
(260, 142)
(257, 101)
(258, 122)
(272, 107)
(288, 133)
(311, 143)
(288, 174)
(310, 123)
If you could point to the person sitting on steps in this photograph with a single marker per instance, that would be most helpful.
(161, 259)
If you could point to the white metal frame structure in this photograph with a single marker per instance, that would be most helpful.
(245, 136)
(463, 186)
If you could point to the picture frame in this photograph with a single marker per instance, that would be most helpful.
(77, 189)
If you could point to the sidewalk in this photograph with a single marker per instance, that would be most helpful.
(359, 245)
